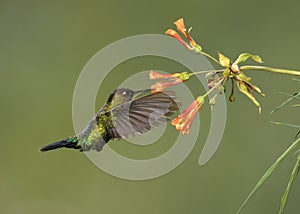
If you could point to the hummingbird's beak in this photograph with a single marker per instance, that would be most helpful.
(142, 91)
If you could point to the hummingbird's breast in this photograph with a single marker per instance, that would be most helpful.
(96, 134)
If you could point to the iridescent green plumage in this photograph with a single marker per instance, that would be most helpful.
(122, 117)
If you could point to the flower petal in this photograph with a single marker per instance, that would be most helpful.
(245, 90)
(175, 35)
(180, 26)
(160, 86)
(246, 80)
(244, 56)
(157, 75)
(191, 45)
(224, 61)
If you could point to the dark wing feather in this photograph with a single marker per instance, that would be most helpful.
(140, 115)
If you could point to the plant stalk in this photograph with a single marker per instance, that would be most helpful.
(274, 70)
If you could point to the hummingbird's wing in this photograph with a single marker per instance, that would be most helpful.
(140, 115)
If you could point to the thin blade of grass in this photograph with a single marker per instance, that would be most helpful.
(295, 96)
(295, 105)
(289, 186)
(269, 172)
(298, 134)
(286, 124)
(296, 79)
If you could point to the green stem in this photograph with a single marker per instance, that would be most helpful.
(274, 70)
(203, 72)
(210, 57)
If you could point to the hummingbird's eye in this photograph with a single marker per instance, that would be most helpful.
(124, 93)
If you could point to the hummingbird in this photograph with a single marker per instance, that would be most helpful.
(121, 117)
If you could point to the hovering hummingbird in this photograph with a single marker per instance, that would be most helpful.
(122, 117)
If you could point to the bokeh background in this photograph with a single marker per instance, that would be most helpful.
(45, 45)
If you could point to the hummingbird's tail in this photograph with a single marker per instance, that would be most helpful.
(68, 143)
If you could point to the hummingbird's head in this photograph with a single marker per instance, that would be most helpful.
(122, 95)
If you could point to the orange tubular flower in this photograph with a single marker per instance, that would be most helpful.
(160, 86)
(171, 79)
(183, 122)
(180, 26)
(182, 29)
(156, 75)
(174, 34)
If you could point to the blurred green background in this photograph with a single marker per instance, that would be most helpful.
(45, 45)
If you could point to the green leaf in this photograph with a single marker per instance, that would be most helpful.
(296, 79)
(295, 96)
(257, 58)
(224, 61)
(286, 124)
(269, 172)
(244, 89)
(244, 56)
(289, 186)
(298, 133)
